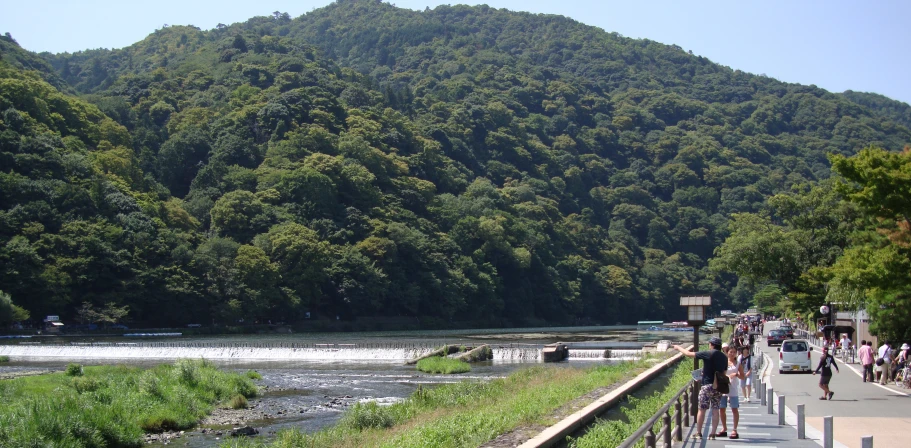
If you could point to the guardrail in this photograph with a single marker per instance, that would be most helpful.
(685, 403)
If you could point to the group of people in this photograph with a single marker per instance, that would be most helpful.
(884, 363)
(729, 361)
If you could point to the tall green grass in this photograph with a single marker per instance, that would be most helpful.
(4, 358)
(466, 414)
(636, 412)
(440, 364)
(112, 406)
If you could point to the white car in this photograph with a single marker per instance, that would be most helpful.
(794, 356)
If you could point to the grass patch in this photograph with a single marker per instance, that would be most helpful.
(466, 414)
(439, 364)
(253, 375)
(112, 406)
(239, 402)
(4, 358)
(73, 370)
(636, 413)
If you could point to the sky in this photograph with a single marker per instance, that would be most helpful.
(837, 45)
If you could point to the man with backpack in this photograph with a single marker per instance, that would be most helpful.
(714, 383)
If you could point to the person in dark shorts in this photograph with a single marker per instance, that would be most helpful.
(713, 360)
(825, 364)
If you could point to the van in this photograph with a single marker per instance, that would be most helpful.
(794, 356)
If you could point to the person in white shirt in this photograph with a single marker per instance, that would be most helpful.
(746, 362)
(732, 398)
(845, 342)
(885, 352)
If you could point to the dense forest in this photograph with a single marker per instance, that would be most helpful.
(461, 166)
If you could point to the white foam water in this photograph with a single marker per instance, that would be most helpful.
(315, 352)
(260, 353)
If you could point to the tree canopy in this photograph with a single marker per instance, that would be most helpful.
(461, 166)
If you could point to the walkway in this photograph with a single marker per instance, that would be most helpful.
(757, 428)
(858, 408)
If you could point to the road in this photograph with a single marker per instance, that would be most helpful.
(858, 408)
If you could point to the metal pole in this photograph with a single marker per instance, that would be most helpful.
(781, 410)
(827, 432)
(770, 396)
(801, 421)
(695, 345)
(866, 442)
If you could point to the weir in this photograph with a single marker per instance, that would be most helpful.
(282, 351)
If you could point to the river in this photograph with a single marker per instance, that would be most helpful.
(312, 391)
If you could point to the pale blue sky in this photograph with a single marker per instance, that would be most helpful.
(837, 45)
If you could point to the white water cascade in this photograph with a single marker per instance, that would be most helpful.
(391, 352)
(329, 352)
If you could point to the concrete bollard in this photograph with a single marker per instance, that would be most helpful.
(762, 394)
(866, 442)
(828, 432)
(770, 397)
(781, 410)
(801, 421)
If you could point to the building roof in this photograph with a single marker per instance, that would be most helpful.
(696, 301)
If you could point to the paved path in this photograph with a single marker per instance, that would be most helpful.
(858, 408)
(757, 428)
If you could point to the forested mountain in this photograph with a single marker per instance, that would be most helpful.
(462, 165)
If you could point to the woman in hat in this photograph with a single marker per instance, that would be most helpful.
(901, 360)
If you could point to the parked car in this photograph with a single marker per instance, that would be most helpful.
(787, 329)
(776, 337)
(794, 356)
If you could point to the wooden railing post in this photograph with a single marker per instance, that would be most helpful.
(678, 426)
(666, 421)
(694, 400)
(686, 408)
(650, 439)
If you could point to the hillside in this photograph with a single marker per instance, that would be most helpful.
(460, 166)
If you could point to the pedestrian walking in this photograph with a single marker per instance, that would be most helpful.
(713, 361)
(825, 364)
(885, 354)
(865, 353)
(746, 362)
(732, 398)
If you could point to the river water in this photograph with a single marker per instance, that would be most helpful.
(310, 388)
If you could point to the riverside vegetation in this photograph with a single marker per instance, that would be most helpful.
(113, 406)
(635, 413)
(441, 364)
(466, 414)
(448, 167)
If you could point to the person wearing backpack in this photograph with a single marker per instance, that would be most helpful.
(714, 381)
(825, 364)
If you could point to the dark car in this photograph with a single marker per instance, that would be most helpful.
(787, 329)
(776, 337)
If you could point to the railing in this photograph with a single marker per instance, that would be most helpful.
(685, 403)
